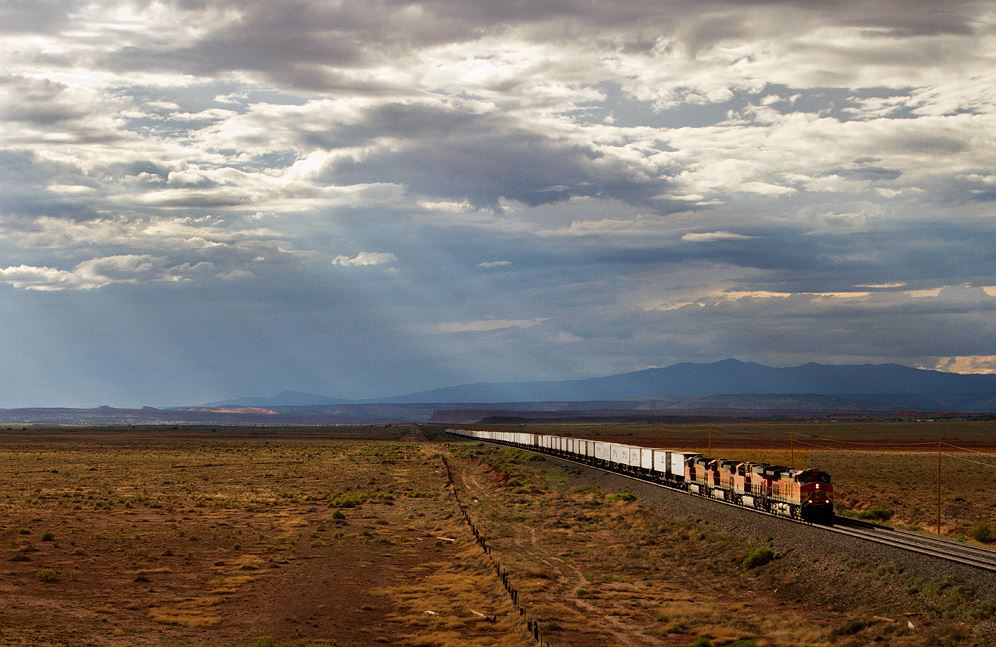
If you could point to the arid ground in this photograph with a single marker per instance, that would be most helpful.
(355, 537)
(884, 471)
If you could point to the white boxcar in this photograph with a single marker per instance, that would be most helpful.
(678, 460)
(661, 461)
(603, 450)
(625, 455)
(646, 458)
(673, 462)
(581, 447)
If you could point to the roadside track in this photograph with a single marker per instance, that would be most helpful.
(965, 554)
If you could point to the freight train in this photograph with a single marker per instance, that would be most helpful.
(805, 494)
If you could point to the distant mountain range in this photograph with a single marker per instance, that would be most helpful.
(727, 389)
(728, 377)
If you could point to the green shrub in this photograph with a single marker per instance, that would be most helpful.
(346, 500)
(622, 496)
(758, 557)
(48, 536)
(981, 532)
(702, 641)
(877, 513)
(582, 592)
(338, 515)
(47, 575)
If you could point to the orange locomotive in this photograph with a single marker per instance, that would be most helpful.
(805, 494)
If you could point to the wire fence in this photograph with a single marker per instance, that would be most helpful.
(532, 625)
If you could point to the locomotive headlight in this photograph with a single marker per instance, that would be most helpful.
(817, 486)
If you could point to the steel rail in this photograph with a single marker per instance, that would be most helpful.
(896, 535)
(946, 553)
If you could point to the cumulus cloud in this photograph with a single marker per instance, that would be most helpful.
(711, 236)
(364, 259)
(679, 180)
(100, 272)
(967, 364)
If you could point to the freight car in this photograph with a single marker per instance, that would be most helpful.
(805, 494)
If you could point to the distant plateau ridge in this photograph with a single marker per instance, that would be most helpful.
(728, 389)
(728, 377)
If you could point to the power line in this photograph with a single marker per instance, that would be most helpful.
(969, 460)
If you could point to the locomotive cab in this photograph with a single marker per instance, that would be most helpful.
(816, 496)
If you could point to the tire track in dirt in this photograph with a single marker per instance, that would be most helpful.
(624, 632)
(532, 626)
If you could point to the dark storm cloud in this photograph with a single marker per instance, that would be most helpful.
(24, 179)
(480, 158)
(36, 102)
(36, 16)
(564, 188)
(302, 43)
(945, 325)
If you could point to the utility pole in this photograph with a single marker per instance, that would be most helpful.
(938, 487)
(792, 451)
(710, 441)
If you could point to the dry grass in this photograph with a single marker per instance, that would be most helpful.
(887, 466)
(228, 539)
(602, 570)
(289, 540)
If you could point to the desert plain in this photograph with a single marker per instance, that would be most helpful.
(262, 537)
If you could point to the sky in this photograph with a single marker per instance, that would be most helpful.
(203, 199)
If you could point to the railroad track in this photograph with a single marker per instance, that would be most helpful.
(952, 551)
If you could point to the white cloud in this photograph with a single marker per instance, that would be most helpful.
(489, 264)
(99, 272)
(365, 259)
(710, 236)
(881, 286)
(967, 364)
(482, 325)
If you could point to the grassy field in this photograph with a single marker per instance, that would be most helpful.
(262, 538)
(885, 471)
(601, 567)
(198, 538)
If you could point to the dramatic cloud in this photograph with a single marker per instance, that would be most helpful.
(98, 272)
(967, 364)
(571, 188)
